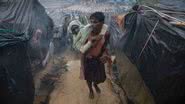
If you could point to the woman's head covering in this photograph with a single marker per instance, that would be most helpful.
(74, 22)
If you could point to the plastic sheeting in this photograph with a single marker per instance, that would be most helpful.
(25, 33)
(25, 20)
(157, 48)
(16, 81)
(20, 20)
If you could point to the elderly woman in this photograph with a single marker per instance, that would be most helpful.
(92, 46)
(73, 29)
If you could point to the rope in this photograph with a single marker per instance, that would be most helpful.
(162, 14)
(148, 40)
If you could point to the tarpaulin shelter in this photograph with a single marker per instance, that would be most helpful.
(25, 32)
(157, 49)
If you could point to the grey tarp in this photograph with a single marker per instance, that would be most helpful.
(157, 48)
(25, 32)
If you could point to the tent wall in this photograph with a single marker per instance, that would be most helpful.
(157, 49)
(25, 33)
(132, 81)
(16, 82)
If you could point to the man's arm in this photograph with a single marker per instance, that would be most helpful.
(85, 47)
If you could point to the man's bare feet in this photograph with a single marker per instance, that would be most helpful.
(97, 88)
(91, 95)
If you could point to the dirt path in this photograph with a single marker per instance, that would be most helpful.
(72, 90)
